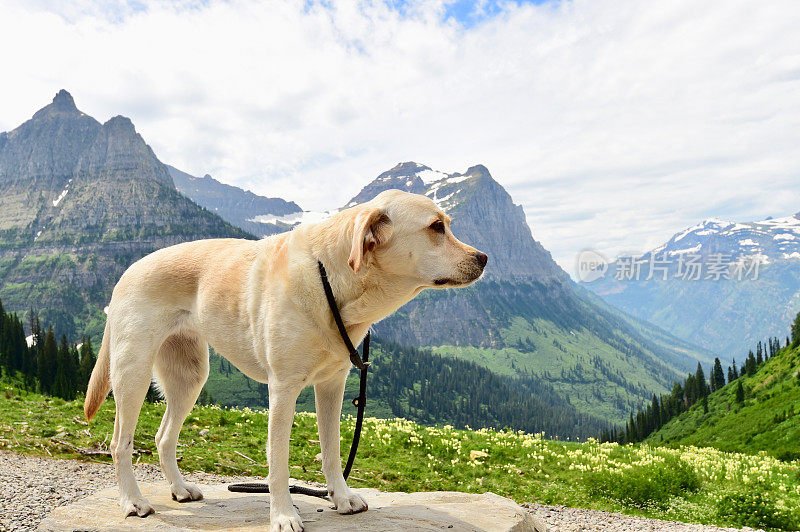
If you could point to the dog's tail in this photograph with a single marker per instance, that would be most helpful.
(100, 382)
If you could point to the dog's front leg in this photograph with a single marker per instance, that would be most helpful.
(282, 515)
(328, 396)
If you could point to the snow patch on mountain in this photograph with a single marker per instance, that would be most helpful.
(429, 176)
(693, 249)
(294, 218)
(448, 180)
(786, 221)
(685, 232)
(62, 195)
(765, 240)
(442, 202)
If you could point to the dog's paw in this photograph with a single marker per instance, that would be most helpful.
(136, 506)
(186, 492)
(349, 502)
(286, 522)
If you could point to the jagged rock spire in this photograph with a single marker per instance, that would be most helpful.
(62, 104)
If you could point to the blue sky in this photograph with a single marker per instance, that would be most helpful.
(615, 123)
(468, 14)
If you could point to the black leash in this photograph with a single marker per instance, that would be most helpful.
(359, 402)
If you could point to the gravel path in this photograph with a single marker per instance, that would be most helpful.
(564, 519)
(31, 486)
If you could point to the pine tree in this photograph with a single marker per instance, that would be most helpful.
(690, 391)
(702, 384)
(656, 413)
(750, 364)
(153, 394)
(739, 393)
(34, 352)
(13, 348)
(630, 436)
(48, 358)
(87, 362)
(796, 331)
(718, 377)
(65, 382)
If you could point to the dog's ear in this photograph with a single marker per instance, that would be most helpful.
(371, 228)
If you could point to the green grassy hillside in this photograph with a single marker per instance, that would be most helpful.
(685, 484)
(594, 357)
(228, 387)
(419, 385)
(597, 376)
(765, 420)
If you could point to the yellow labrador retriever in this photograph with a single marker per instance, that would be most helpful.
(261, 305)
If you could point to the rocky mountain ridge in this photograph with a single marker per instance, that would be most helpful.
(79, 202)
(773, 239)
(483, 213)
(526, 316)
(240, 207)
(718, 284)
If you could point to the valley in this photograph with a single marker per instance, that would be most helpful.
(83, 200)
(755, 293)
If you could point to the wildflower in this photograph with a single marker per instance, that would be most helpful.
(475, 455)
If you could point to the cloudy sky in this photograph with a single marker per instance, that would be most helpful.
(614, 123)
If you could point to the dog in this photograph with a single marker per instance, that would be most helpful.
(261, 305)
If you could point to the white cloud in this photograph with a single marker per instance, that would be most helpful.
(615, 123)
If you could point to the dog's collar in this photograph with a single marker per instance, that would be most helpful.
(355, 357)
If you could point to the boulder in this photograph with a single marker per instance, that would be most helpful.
(222, 509)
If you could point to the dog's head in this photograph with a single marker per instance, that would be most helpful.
(407, 235)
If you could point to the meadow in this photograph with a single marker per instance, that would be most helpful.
(687, 483)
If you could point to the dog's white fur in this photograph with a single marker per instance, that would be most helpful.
(261, 305)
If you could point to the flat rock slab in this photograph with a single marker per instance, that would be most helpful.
(224, 510)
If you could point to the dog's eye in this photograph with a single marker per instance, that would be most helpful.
(437, 226)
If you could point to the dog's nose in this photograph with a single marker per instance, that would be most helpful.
(482, 258)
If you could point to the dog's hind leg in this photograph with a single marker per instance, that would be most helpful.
(131, 373)
(182, 369)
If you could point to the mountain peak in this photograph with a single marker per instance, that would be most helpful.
(479, 170)
(119, 152)
(408, 167)
(120, 123)
(62, 104)
(484, 215)
(404, 176)
(64, 100)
